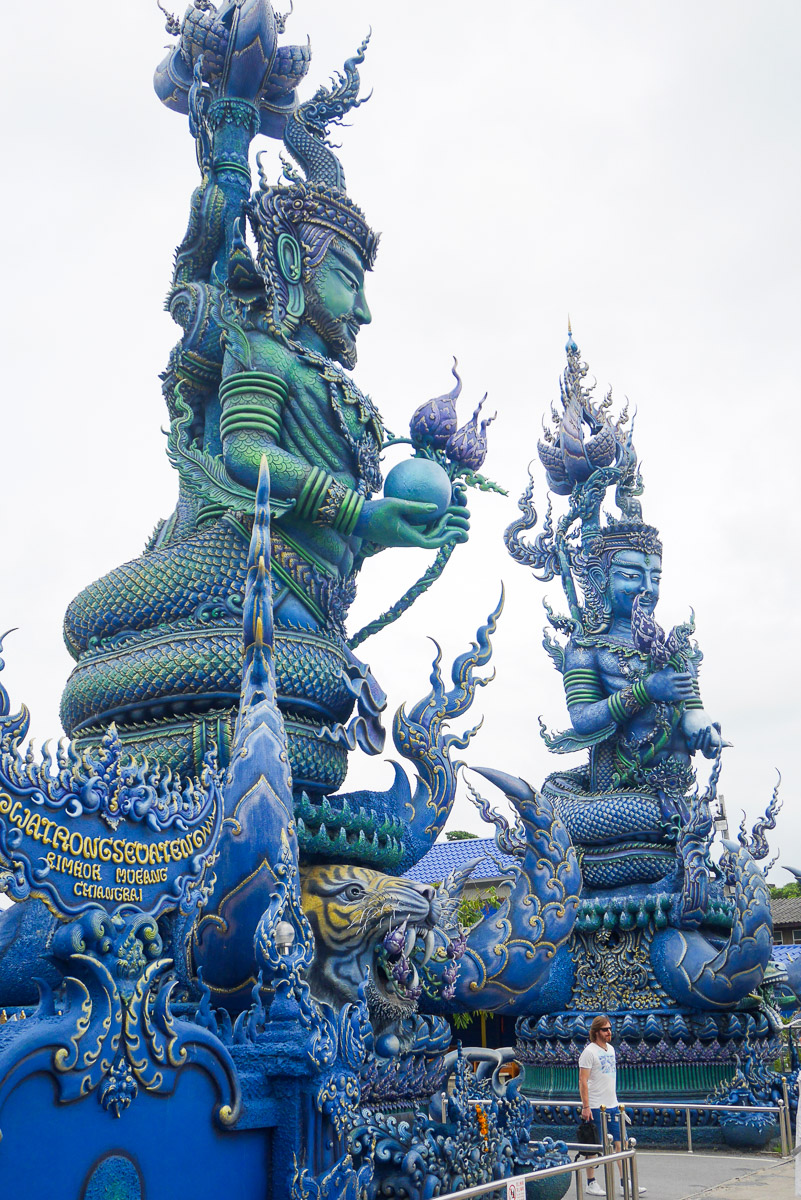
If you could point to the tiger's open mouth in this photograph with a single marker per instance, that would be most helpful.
(411, 960)
(400, 963)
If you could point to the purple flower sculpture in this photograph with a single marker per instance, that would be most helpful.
(434, 422)
(456, 948)
(395, 940)
(450, 973)
(401, 970)
(647, 635)
(468, 445)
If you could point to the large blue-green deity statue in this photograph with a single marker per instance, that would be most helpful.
(257, 372)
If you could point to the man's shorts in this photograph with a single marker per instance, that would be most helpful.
(612, 1123)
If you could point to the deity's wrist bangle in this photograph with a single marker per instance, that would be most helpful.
(340, 508)
(312, 494)
(326, 501)
(628, 702)
(695, 701)
(349, 512)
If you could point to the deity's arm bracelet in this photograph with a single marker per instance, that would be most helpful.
(582, 686)
(696, 701)
(326, 501)
(234, 123)
(628, 702)
(252, 402)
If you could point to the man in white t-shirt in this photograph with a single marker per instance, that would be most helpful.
(597, 1086)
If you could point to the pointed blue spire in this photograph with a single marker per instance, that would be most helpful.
(257, 865)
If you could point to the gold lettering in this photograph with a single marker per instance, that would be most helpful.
(117, 852)
(61, 838)
(104, 849)
(5, 802)
(33, 821)
(130, 854)
(12, 814)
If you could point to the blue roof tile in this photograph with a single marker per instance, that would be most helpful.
(785, 954)
(444, 857)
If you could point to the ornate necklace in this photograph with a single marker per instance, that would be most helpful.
(366, 448)
(631, 662)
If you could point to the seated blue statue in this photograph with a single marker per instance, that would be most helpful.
(632, 691)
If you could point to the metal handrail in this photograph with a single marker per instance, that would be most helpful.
(497, 1185)
(669, 1104)
(782, 1109)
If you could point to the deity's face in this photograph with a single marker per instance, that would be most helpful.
(633, 573)
(336, 307)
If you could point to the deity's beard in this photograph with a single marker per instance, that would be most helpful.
(337, 333)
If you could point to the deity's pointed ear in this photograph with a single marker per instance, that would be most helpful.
(290, 263)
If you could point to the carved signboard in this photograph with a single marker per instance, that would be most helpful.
(106, 832)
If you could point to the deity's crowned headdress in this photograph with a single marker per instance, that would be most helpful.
(585, 453)
(313, 208)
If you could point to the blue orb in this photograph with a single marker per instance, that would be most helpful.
(420, 479)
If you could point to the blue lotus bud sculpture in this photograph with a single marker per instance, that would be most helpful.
(434, 422)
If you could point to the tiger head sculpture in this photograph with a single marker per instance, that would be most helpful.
(351, 910)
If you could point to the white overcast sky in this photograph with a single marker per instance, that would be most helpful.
(635, 165)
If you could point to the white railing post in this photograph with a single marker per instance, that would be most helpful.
(783, 1130)
(624, 1145)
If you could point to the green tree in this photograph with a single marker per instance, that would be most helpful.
(788, 891)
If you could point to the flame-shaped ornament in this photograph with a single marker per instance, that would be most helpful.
(468, 445)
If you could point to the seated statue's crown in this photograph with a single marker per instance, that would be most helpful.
(628, 535)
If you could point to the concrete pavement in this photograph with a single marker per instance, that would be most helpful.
(680, 1176)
